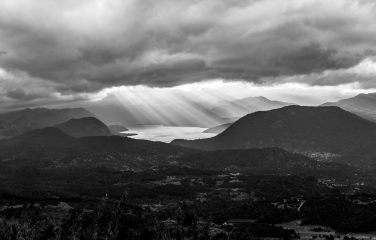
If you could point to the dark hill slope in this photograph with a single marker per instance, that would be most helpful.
(315, 131)
(117, 128)
(60, 149)
(218, 129)
(16, 127)
(268, 161)
(25, 124)
(47, 142)
(45, 136)
(83, 127)
(119, 153)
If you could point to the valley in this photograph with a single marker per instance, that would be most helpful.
(281, 172)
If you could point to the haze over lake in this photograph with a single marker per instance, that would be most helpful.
(167, 133)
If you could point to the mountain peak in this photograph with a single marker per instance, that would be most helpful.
(262, 98)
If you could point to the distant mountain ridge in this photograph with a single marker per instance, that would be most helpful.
(25, 124)
(114, 112)
(363, 105)
(244, 106)
(203, 114)
(16, 127)
(17, 122)
(320, 132)
(8, 130)
(45, 117)
(241, 107)
(84, 127)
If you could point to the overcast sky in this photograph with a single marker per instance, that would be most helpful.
(54, 51)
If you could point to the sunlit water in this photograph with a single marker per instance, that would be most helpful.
(167, 133)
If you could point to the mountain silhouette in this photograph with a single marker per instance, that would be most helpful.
(44, 117)
(321, 132)
(83, 127)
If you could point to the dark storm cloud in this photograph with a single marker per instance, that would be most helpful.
(20, 94)
(84, 46)
(311, 59)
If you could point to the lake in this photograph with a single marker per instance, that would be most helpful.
(167, 133)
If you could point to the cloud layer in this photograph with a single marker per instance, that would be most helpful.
(64, 50)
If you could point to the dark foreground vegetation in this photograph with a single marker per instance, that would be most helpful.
(184, 203)
(122, 220)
